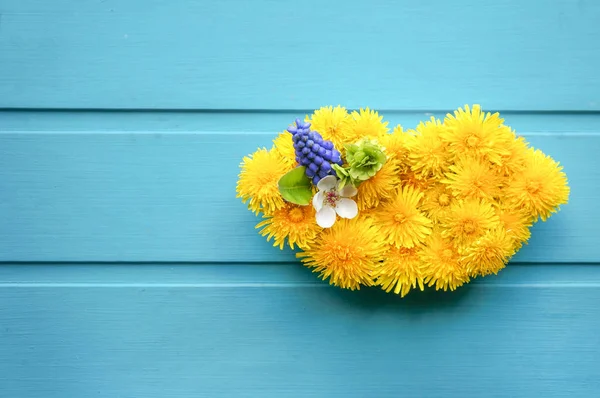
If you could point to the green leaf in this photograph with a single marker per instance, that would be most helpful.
(295, 187)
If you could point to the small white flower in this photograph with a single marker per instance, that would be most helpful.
(331, 200)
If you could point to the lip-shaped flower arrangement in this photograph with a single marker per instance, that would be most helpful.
(435, 206)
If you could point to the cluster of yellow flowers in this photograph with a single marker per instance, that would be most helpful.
(455, 199)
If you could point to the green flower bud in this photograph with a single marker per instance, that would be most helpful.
(365, 159)
(343, 176)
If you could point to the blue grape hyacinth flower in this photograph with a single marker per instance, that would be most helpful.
(314, 152)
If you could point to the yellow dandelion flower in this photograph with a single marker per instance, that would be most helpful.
(398, 130)
(437, 201)
(541, 188)
(332, 123)
(441, 266)
(401, 270)
(346, 253)
(284, 146)
(397, 142)
(366, 123)
(382, 186)
(514, 160)
(489, 254)
(474, 133)
(292, 223)
(417, 181)
(367, 214)
(401, 221)
(468, 220)
(471, 178)
(427, 151)
(396, 146)
(516, 223)
(258, 181)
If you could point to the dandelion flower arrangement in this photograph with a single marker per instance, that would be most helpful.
(431, 207)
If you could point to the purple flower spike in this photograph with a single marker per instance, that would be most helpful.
(313, 152)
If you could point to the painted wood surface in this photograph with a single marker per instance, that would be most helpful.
(129, 269)
(271, 330)
(290, 54)
(165, 196)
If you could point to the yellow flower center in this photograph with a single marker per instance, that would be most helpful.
(399, 218)
(444, 199)
(447, 253)
(472, 141)
(296, 215)
(404, 251)
(533, 187)
(332, 131)
(342, 253)
(469, 227)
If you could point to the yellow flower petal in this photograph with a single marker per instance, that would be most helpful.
(416, 181)
(380, 187)
(441, 266)
(402, 223)
(427, 151)
(472, 178)
(347, 253)
(332, 123)
(514, 160)
(468, 220)
(291, 223)
(437, 201)
(284, 146)
(516, 222)
(258, 180)
(363, 124)
(488, 254)
(401, 270)
(541, 188)
(471, 132)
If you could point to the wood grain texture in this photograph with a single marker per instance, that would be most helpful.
(271, 331)
(166, 196)
(228, 121)
(264, 54)
(122, 124)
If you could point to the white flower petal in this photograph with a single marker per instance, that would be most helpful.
(348, 191)
(326, 217)
(346, 208)
(318, 201)
(327, 183)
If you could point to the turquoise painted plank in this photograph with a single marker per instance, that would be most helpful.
(262, 122)
(188, 331)
(265, 54)
(259, 275)
(165, 196)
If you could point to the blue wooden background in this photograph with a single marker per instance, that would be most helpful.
(129, 268)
